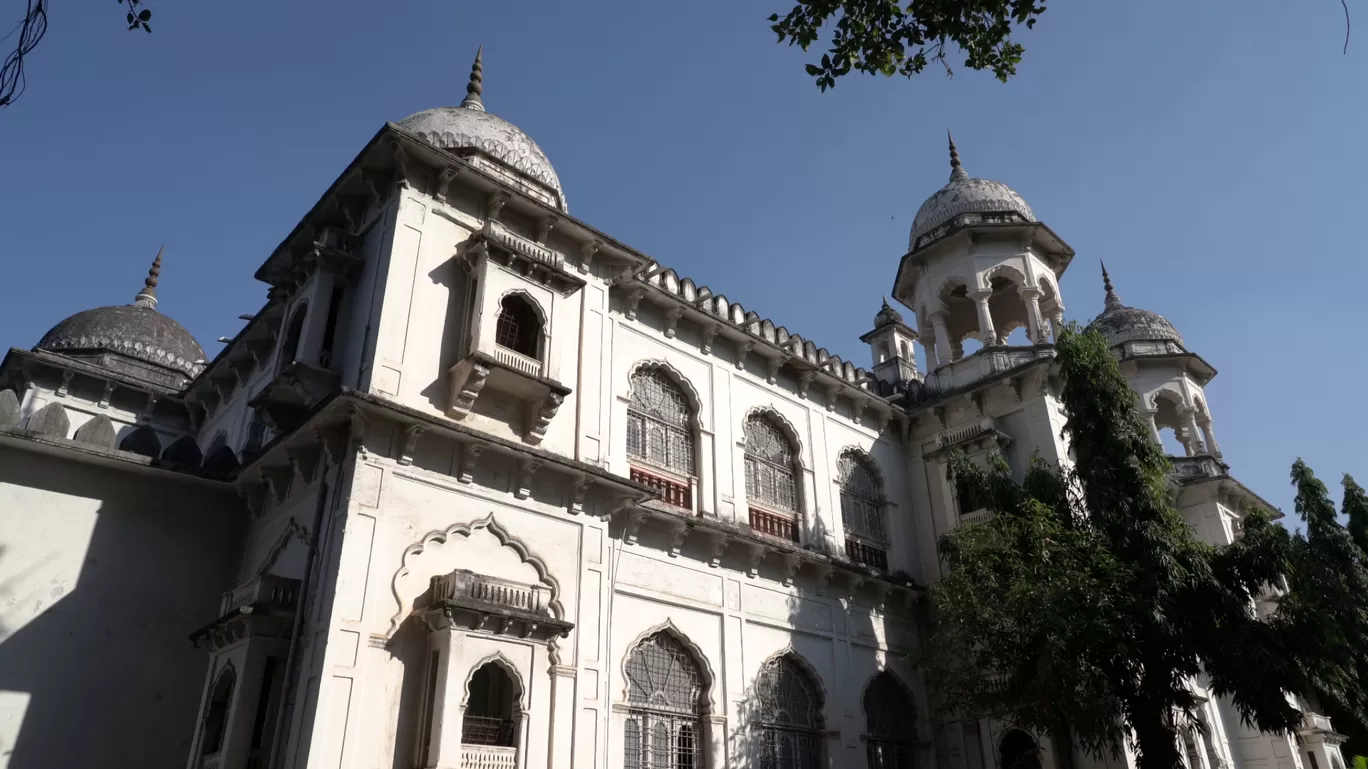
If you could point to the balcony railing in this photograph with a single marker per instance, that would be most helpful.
(672, 492)
(488, 757)
(980, 515)
(267, 591)
(773, 525)
(983, 364)
(527, 247)
(869, 555)
(517, 361)
(468, 586)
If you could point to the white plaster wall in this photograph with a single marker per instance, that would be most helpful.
(103, 575)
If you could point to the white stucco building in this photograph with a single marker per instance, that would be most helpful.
(480, 486)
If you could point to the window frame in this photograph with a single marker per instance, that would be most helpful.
(792, 467)
(534, 320)
(770, 734)
(644, 717)
(687, 427)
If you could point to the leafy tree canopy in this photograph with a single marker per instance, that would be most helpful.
(1085, 607)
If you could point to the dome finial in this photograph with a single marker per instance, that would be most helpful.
(1112, 302)
(957, 171)
(476, 85)
(147, 297)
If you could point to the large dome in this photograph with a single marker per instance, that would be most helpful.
(1119, 323)
(966, 195)
(136, 331)
(469, 126)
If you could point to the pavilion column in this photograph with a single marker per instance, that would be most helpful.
(1153, 428)
(1034, 322)
(1057, 323)
(1193, 444)
(1209, 435)
(987, 334)
(944, 347)
(928, 339)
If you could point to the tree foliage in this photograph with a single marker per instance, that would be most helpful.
(1085, 606)
(902, 37)
(884, 37)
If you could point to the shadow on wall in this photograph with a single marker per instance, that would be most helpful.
(103, 575)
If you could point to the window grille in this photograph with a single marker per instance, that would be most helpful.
(890, 723)
(665, 706)
(659, 429)
(518, 327)
(788, 717)
(769, 462)
(861, 508)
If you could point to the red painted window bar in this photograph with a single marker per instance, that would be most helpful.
(873, 557)
(672, 492)
(773, 525)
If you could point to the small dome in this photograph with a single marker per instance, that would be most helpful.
(966, 195)
(1120, 323)
(470, 127)
(136, 331)
(887, 316)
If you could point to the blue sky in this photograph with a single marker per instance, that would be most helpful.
(1213, 154)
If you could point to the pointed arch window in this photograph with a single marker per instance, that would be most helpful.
(787, 720)
(492, 711)
(771, 480)
(666, 704)
(890, 723)
(519, 326)
(660, 423)
(216, 715)
(862, 512)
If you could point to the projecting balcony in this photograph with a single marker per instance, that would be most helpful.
(980, 515)
(493, 367)
(288, 399)
(984, 364)
(265, 593)
(481, 602)
(488, 757)
(264, 606)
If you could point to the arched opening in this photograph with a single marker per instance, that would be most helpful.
(771, 478)
(890, 723)
(906, 351)
(256, 435)
(1007, 308)
(666, 705)
(289, 348)
(1018, 750)
(143, 440)
(786, 722)
(660, 435)
(1172, 424)
(492, 708)
(519, 326)
(884, 353)
(216, 715)
(862, 512)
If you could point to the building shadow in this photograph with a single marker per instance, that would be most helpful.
(103, 575)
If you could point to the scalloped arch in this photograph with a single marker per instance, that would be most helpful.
(405, 605)
(1017, 276)
(1169, 394)
(674, 374)
(1048, 289)
(866, 460)
(785, 426)
(954, 280)
(498, 659)
(668, 627)
(897, 679)
(531, 301)
(806, 668)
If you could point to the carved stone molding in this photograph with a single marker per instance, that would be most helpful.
(545, 413)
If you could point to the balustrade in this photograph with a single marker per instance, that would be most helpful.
(467, 585)
(672, 492)
(488, 757)
(869, 555)
(773, 525)
(267, 591)
(517, 361)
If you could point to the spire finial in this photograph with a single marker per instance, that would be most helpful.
(957, 171)
(1112, 302)
(147, 297)
(476, 85)
(885, 302)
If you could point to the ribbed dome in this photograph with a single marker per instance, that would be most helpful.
(137, 331)
(887, 316)
(469, 126)
(966, 195)
(1120, 323)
